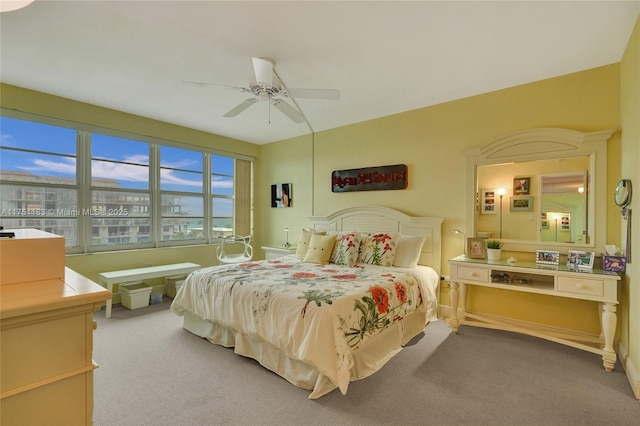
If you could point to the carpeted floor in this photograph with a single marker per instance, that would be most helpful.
(152, 372)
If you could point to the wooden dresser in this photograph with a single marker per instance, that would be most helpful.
(46, 333)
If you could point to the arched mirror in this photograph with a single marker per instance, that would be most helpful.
(553, 185)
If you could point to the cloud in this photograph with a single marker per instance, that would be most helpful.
(169, 177)
(119, 171)
(66, 167)
(8, 140)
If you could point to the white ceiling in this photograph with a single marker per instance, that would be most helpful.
(385, 57)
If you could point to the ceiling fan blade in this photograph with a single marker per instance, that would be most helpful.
(199, 84)
(295, 115)
(241, 107)
(263, 68)
(326, 94)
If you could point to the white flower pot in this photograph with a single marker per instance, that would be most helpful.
(494, 254)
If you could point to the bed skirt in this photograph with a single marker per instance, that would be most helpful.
(369, 358)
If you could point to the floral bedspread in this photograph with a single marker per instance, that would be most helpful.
(319, 314)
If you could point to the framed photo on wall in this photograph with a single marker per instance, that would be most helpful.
(521, 203)
(521, 185)
(488, 201)
(281, 195)
(475, 248)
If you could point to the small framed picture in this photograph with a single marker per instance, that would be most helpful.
(548, 257)
(488, 201)
(281, 195)
(545, 224)
(565, 222)
(580, 259)
(521, 185)
(521, 203)
(475, 248)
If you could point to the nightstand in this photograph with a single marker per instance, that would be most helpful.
(274, 252)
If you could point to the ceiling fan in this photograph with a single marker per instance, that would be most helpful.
(269, 87)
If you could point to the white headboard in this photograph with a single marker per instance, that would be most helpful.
(384, 219)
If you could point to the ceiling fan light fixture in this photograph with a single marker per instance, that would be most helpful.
(269, 87)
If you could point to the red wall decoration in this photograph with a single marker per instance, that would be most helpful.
(370, 179)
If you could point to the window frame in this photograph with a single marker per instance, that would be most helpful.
(84, 186)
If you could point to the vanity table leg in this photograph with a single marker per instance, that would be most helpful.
(462, 303)
(609, 320)
(453, 294)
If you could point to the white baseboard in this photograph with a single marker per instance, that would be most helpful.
(630, 370)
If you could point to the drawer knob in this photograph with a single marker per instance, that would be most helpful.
(580, 286)
(474, 274)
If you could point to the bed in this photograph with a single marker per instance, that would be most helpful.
(323, 320)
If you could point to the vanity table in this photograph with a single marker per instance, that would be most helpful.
(558, 281)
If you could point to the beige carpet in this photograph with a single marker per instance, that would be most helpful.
(152, 372)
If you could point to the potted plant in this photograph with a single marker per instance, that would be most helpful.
(494, 249)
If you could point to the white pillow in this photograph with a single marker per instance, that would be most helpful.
(320, 248)
(408, 252)
(378, 249)
(345, 251)
(303, 242)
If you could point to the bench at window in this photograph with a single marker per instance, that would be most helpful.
(116, 277)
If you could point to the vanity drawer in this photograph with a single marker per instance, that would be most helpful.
(581, 286)
(473, 274)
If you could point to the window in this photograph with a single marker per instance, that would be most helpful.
(106, 192)
(182, 196)
(222, 195)
(38, 184)
(120, 213)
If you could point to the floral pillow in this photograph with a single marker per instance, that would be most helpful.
(345, 251)
(378, 249)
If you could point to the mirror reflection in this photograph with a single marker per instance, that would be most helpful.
(542, 200)
(564, 214)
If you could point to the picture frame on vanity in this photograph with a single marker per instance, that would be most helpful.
(475, 248)
(578, 259)
(488, 201)
(548, 257)
(521, 203)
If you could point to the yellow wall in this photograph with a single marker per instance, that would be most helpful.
(431, 142)
(630, 123)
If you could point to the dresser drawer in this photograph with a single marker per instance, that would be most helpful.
(44, 349)
(581, 286)
(473, 274)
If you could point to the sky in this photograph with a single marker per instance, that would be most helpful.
(115, 158)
